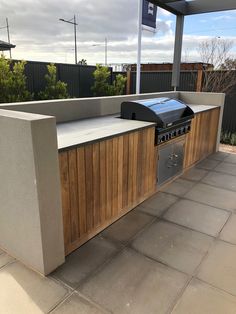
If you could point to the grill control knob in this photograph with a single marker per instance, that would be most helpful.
(167, 137)
(170, 135)
(184, 130)
(179, 132)
(163, 138)
(174, 133)
(189, 128)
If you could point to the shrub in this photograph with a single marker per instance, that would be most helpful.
(54, 89)
(102, 86)
(13, 81)
(228, 138)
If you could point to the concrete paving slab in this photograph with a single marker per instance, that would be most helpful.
(179, 187)
(229, 231)
(219, 156)
(213, 196)
(75, 304)
(173, 245)
(231, 158)
(126, 227)
(222, 180)
(194, 174)
(219, 267)
(1, 251)
(226, 167)
(203, 218)
(5, 259)
(132, 283)
(208, 164)
(200, 298)
(157, 204)
(24, 291)
(84, 260)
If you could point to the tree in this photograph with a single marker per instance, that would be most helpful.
(102, 86)
(54, 89)
(216, 51)
(82, 62)
(13, 81)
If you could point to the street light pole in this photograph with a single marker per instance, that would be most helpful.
(75, 34)
(96, 45)
(8, 35)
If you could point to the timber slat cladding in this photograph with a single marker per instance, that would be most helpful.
(201, 141)
(102, 181)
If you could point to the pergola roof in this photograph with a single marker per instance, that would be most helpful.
(5, 46)
(189, 7)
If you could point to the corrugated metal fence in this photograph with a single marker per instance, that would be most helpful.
(161, 81)
(80, 80)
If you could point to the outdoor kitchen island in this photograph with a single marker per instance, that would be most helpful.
(72, 167)
(109, 165)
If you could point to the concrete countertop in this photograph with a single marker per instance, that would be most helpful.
(201, 108)
(79, 132)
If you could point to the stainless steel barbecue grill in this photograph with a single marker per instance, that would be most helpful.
(173, 119)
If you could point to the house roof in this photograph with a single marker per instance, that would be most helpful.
(189, 7)
(5, 46)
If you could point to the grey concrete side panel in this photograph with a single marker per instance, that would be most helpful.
(44, 139)
(74, 109)
(26, 210)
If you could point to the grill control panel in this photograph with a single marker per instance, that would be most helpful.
(167, 135)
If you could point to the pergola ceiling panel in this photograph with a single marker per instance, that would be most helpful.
(183, 7)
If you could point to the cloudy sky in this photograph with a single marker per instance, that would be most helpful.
(38, 34)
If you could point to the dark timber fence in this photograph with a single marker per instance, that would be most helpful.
(80, 80)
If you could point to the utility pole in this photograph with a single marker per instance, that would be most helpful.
(105, 51)
(75, 34)
(8, 35)
(105, 45)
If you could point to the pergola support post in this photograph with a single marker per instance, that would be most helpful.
(178, 50)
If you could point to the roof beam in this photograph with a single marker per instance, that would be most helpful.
(203, 6)
(182, 7)
(178, 7)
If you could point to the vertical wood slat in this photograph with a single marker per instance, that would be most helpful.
(65, 195)
(104, 180)
(74, 200)
(82, 190)
(201, 141)
(89, 186)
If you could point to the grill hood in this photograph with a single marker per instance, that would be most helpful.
(164, 111)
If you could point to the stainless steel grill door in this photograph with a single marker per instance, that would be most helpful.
(170, 161)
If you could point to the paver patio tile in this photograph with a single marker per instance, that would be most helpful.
(229, 231)
(75, 304)
(218, 156)
(219, 267)
(208, 164)
(223, 180)
(5, 259)
(157, 204)
(195, 174)
(179, 187)
(126, 227)
(200, 298)
(173, 245)
(231, 158)
(213, 196)
(132, 283)
(196, 216)
(1, 251)
(84, 260)
(226, 167)
(24, 291)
